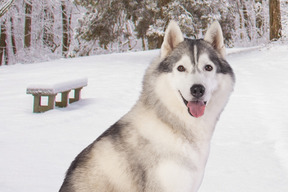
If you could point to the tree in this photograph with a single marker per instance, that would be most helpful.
(13, 41)
(48, 25)
(244, 19)
(28, 23)
(66, 22)
(105, 26)
(193, 17)
(4, 57)
(37, 30)
(259, 17)
(3, 45)
(275, 20)
(107, 23)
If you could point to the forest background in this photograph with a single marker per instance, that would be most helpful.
(40, 30)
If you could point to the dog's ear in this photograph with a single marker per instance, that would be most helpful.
(173, 36)
(214, 36)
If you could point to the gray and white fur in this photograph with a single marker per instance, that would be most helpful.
(162, 143)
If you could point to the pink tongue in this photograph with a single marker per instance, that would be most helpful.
(196, 108)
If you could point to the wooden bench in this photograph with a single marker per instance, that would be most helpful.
(51, 88)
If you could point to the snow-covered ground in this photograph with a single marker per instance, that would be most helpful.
(249, 149)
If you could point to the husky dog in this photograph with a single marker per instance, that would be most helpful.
(162, 143)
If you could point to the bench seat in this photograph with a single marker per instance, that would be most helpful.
(51, 88)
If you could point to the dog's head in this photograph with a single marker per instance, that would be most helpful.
(194, 68)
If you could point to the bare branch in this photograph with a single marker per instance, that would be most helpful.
(4, 6)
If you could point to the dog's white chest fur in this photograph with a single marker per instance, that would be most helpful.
(176, 177)
(181, 163)
(185, 173)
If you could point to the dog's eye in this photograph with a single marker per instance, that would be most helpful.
(208, 68)
(181, 68)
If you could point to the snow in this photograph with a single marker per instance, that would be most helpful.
(57, 85)
(249, 150)
(250, 146)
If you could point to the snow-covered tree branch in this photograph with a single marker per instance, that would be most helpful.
(4, 6)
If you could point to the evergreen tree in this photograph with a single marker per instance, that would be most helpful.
(104, 22)
(193, 17)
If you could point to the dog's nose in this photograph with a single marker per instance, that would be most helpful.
(197, 90)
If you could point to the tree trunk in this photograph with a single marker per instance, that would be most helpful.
(143, 43)
(128, 34)
(65, 28)
(3, 45)
(13, 42)
(275, 20)
(69, 27)
(28, 22)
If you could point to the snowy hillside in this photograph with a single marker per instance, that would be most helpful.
(249, 149)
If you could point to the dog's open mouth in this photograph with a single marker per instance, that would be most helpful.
(195, 108)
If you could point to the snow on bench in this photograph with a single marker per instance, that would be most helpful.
(51, 88)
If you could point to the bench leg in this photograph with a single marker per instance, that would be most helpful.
(64, 99)
(38, 108)
(77, 94)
